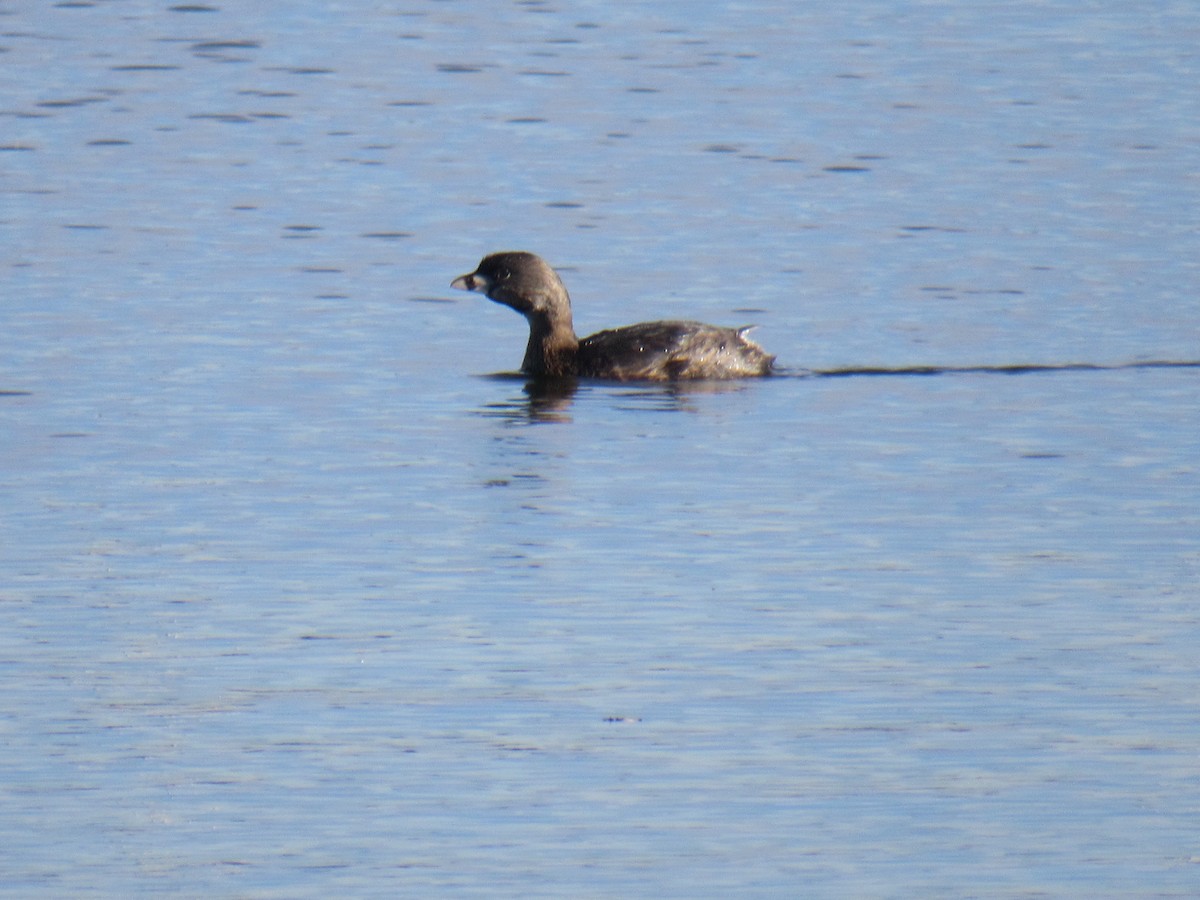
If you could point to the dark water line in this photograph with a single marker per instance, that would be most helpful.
(1018, 369)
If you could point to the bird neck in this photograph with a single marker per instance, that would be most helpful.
(552, 346)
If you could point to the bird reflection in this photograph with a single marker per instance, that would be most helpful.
(549, 400)
(540, 400)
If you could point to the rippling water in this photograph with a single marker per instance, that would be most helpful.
(301, 598)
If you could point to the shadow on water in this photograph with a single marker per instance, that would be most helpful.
(549, 399)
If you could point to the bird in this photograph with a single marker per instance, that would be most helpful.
(676, 350)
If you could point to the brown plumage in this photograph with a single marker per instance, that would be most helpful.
(650, 351)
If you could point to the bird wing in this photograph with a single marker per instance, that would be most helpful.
(635, 351)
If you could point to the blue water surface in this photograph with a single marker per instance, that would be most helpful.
(304, 596)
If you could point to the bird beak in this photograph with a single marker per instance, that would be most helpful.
(472, 282)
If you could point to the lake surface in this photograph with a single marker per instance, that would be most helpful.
(303, 596)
